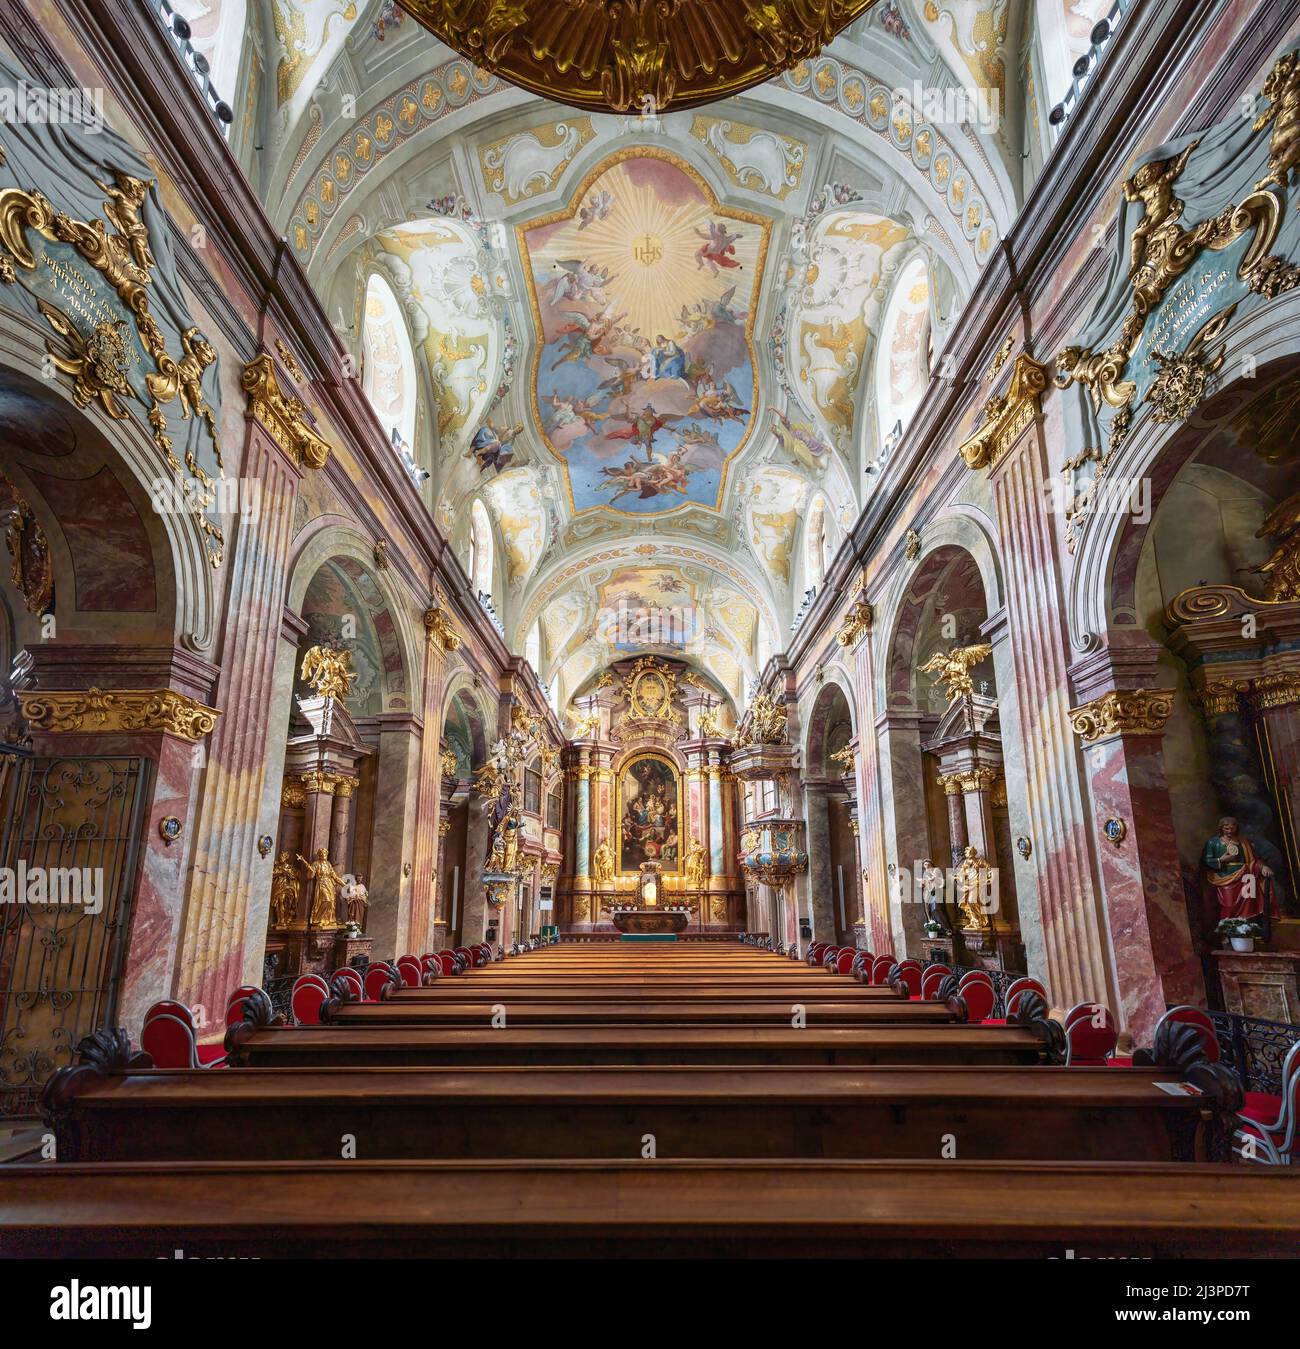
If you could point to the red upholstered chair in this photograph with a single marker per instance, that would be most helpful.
(378, 976)
(169, 1008)
(880, 968)
(909, 971)
(829, 956)
(1090, 1034)
(429, 967)
(933, 976)
(816, 951)
(844, 961)
(861, 966)
(446, 962)
(979, 998)
(466, 955)
(1273, 1123)
(1200, 1020)
(353, 977)
(1019, 987)
(309, 991)
(409, 969)
(169, 1041)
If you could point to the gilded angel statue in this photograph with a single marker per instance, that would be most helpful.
(328, 669)
(953, 668)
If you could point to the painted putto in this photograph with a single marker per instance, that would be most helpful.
(643, 298)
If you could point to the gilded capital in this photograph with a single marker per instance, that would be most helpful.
(1003, 418)
(856, 625)
(285, 419)
(1123, 712)
(438, 628)
(98, 710)
(1276, 690)
(1220, 697)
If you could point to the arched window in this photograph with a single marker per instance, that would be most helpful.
(533, 648)
(388, 367)
(902, 361)
(817, 542)
(480, 548)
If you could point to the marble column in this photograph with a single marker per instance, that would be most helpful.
(1075, 928)
(228, 899)
(1141, 879)
(822, 896)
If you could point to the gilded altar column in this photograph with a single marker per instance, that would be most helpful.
(226, 910)
(581, 908)
(717, 856)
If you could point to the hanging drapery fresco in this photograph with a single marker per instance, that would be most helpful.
(649, 811)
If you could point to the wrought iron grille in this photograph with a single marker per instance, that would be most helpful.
(1255, 1048)
(73, 827)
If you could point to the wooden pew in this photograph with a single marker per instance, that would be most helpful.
(1085, 1114)
(692, 1209)
(419, 1046)
(776, 1011)
(444, 991)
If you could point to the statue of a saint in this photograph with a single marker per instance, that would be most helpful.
(1239, 882)
(971, 891)
(356, 899)
(952, 668)
(602, 863)
(325, 905)
(932, 889)
(285, 891)
(328, 669)
(696, 866)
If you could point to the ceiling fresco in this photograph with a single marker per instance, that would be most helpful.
(643, 297)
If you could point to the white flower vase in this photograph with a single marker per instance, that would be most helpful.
(1242, 943)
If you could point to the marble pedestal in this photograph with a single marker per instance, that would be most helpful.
(1260, 983)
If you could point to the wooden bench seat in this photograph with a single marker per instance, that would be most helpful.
(718, 1209)
(446, 990)
(419, 1046)
(771, 1012)
(1087, 1114)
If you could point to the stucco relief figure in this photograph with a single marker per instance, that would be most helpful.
(602, 863)
(285, 890)
(325, 905)
(356, 899)
(697, 871)
(1239, 882)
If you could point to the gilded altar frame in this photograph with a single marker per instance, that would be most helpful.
(625, 768)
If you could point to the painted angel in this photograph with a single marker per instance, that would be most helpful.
(597, 208)
(800, 441)
(718, 249)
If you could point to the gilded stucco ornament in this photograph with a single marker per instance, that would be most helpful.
(764, 723)
(1282, 570)
(638, 55)
(100, 359)
(1123, 712)
(438, 626)
(328, 669)
(285, 418)
(1005, 416)
(110, 710)
(856, 625)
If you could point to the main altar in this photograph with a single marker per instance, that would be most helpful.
(650, 919)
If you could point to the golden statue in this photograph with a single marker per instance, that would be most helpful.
(587, 725)
(953, 668)
(708, 725)
(971, 888)
(602, 863)
(696, 866)
(766, 722)
(325, 906)
(1282, 89)
(328, 669)
(1281, 572)
(844, 757)
(285, 891)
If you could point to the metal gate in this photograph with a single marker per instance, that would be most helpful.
(68, 852)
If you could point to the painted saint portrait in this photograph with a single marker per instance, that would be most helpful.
(648, 822)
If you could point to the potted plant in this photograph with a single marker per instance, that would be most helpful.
(1240, 932)
(933, 928)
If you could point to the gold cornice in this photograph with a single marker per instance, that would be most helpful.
(285, 419)
(638, 55)
(969, 780)
(1003, 418)
(1123, 712)
(98, 711)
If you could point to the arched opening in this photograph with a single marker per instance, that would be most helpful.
(463, 830)
(942, 727)
(829, 807)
